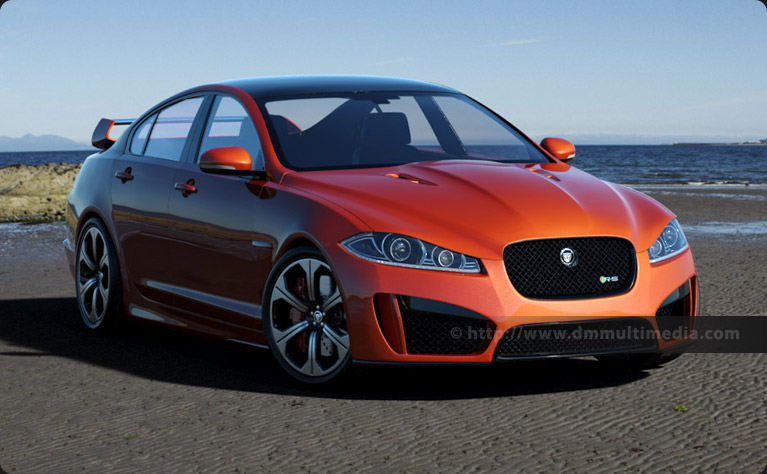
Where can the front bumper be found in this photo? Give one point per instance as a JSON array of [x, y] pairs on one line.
[[375, 320]]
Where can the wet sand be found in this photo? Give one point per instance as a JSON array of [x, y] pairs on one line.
[[150, 400]]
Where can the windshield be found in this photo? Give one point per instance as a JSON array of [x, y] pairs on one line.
[[373, 129]]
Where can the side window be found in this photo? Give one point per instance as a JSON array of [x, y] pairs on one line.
[[171, 129], [230, 125], [139, 138]]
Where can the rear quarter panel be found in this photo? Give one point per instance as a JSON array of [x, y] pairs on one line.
[[91, 196]]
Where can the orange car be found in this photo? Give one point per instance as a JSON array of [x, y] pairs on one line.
[[338, 218]]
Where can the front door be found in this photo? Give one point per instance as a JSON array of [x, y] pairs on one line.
[[220, 263]]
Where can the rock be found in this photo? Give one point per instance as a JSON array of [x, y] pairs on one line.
[[37, 192]]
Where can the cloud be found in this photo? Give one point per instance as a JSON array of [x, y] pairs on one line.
[[516, 42], [751, 99], [403, 59]]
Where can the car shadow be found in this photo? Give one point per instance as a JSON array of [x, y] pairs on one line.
[[52, 327]]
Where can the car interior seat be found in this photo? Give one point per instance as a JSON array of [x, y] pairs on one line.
[[385, 138]]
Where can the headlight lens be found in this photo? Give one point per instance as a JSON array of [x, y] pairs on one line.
[[670, 242], [404, 251], [400, 249]]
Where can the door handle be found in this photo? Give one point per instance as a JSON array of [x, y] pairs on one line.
[[186, 188], [124, 175]]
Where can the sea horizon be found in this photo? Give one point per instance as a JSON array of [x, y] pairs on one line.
[[690, 164]]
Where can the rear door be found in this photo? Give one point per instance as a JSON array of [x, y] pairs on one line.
[[144, 180], [220, 263]]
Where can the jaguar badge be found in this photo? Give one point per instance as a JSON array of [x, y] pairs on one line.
[[567, 256]]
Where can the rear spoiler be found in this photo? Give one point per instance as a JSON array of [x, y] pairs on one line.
[[100, 138]]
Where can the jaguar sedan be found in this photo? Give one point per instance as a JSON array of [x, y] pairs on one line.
[[341, 219]]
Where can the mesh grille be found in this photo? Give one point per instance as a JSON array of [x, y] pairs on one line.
[[431, 333], [674, 319], [577, 338], [536, 270]]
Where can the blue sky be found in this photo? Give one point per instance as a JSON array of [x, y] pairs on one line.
[[619, 71]]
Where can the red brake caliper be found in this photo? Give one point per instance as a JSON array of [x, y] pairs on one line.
[[296, 315]]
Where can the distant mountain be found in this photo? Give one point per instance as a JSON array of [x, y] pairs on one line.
[[31, 142]]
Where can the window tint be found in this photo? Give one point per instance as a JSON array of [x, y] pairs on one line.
[[482, 134], [171, 129], [230, 125], [421, 134], [367, 129], [304, 114], [139, 138]]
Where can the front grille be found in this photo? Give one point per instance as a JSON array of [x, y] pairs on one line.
[[432, 333], [577, 338], [603, 266]]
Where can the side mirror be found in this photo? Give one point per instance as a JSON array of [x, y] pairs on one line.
[[560, 149], [226, 160]]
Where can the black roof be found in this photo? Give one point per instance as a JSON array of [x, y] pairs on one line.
[[296, 85]]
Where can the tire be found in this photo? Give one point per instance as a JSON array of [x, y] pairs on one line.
[[97, 278], [637, 361], [304, 319]]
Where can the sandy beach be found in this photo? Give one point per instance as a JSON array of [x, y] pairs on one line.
[[148, 400]]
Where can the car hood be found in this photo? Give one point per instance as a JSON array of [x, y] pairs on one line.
[[479, 207]]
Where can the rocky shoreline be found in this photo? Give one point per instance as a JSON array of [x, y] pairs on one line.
[[35, 193]]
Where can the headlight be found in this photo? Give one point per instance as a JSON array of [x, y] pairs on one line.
[[670, 242], [404, 251]]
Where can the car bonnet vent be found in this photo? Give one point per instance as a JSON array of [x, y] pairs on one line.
[[407, 177]]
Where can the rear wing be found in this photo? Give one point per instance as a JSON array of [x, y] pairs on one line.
[[100, 138]]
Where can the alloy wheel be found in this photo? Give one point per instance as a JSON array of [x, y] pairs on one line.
[[307, 320], [93, 277]]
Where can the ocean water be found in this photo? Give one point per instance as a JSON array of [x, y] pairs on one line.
[[625, 164], [43, 157], [669, 164]]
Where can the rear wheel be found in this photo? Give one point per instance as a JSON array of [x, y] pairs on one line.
[[304, 319], [97, 278]]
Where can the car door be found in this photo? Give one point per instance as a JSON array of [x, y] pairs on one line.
[[144, 180], [220, 262]]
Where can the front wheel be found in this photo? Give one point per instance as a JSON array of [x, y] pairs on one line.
[[304, 319]]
